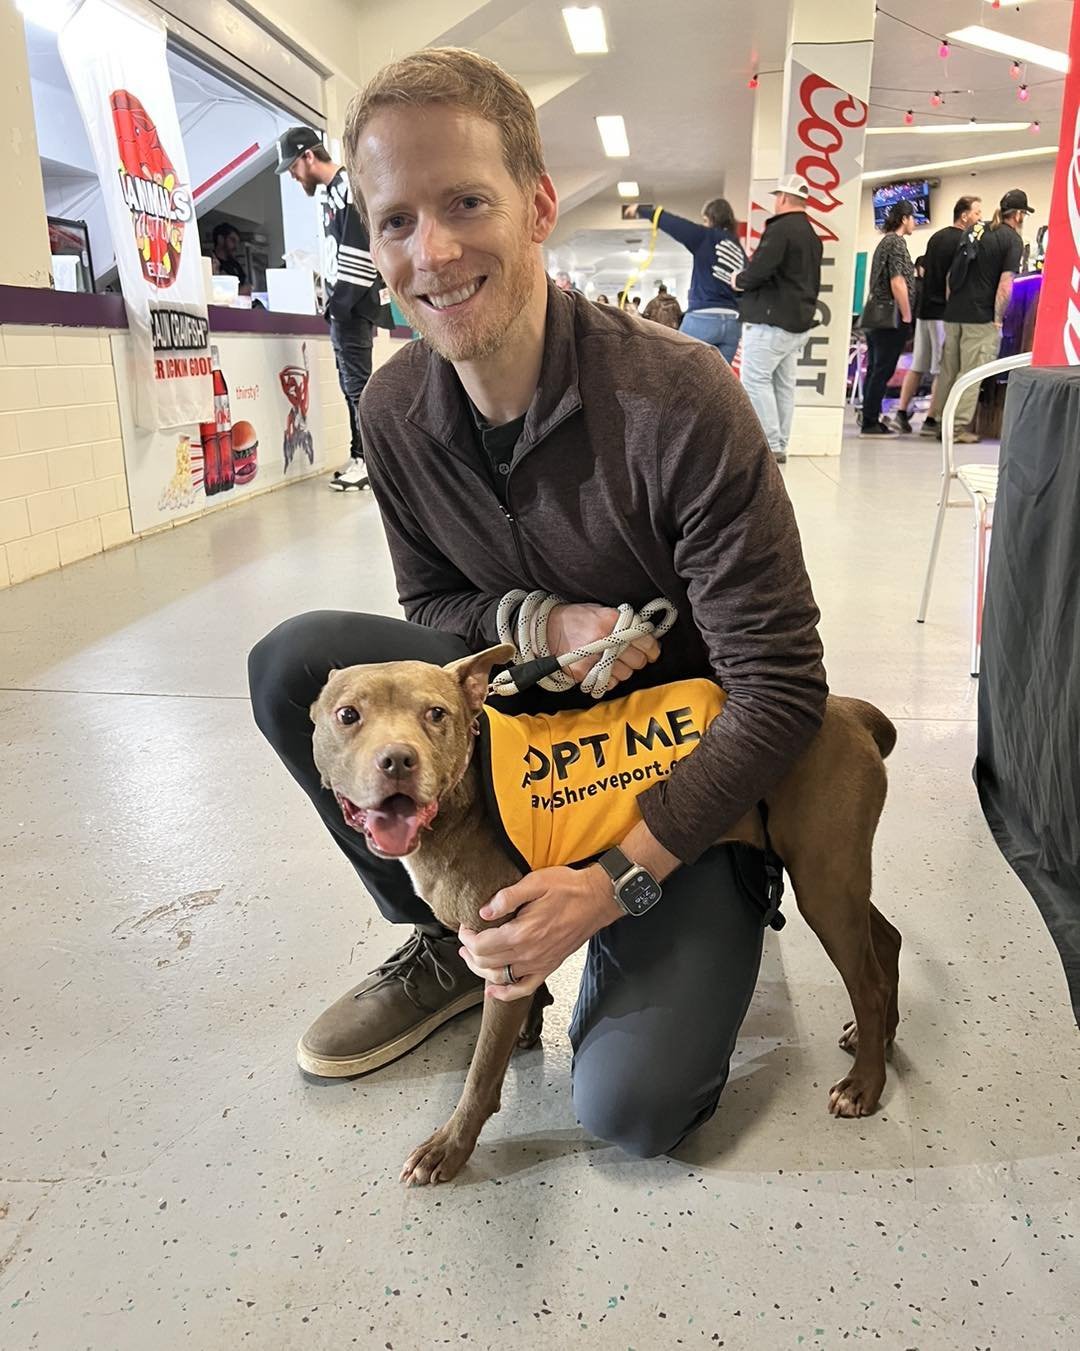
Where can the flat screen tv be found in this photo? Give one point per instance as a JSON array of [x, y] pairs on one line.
[[917, 191]]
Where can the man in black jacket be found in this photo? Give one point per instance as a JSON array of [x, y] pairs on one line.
[[354, 289], [780, 288]]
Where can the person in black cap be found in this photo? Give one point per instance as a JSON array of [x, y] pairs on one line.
[[355, 294], [975, 309]]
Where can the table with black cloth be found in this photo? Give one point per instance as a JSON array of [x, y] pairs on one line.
[[1028, 765]]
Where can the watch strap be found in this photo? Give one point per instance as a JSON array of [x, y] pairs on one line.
[[615, 863]]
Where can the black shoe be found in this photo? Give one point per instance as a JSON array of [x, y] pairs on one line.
[[930, 427], [903, 421], [876, 429]]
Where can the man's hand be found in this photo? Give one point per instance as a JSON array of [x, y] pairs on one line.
[[558, 911], [572, 626]]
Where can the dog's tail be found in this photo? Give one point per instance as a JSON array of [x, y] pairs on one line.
[[877, 724]]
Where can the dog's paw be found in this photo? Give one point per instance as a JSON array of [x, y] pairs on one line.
[[440, 1158], [854, 1096]]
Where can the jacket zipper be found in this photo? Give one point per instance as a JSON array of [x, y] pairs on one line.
[[512, 522]]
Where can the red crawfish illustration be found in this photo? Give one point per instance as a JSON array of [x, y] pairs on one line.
[[160, 205]]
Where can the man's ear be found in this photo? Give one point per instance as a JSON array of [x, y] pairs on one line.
[[474, 673]]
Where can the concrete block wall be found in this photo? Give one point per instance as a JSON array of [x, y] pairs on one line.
[[63, 489], [63, 493]]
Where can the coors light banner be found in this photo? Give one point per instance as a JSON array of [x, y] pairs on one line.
[[1057, 327], [114, 54]]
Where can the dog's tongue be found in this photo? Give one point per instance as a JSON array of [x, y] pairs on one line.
[[396, 824]]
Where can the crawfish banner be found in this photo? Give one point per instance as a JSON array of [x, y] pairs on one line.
[[1057, 328], [114, 55]]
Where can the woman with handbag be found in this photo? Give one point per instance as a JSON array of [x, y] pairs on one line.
[[886, 317]]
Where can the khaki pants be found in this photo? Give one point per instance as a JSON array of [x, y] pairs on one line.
[[966, 346]]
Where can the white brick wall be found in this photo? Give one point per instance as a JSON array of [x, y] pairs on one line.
[[63, 490], [62, 485]]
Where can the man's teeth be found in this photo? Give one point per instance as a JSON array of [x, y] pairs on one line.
[[447, 298]]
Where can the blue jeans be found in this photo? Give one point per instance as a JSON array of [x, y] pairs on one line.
[[721, 331], [769, 358]]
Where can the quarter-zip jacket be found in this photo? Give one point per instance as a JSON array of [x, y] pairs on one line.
[[641, 472]]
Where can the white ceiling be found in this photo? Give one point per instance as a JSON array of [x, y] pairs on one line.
[[678, 74]]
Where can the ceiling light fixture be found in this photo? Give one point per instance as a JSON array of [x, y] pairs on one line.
[[902, 172], [613, 134], [988, 40], [946, 128], [588, 35], [628, 188]]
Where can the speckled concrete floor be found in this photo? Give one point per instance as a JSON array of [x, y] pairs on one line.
[[173, 918]]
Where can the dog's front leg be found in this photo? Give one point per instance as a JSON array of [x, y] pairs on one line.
[[441, 1156]]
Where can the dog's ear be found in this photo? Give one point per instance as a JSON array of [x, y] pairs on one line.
[[316, 707], [474, 673]]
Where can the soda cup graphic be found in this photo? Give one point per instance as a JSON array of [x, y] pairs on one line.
[[216, 436]]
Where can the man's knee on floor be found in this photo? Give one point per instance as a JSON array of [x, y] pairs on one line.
[[641, 1119]]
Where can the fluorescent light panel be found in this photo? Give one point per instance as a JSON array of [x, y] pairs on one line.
[[613, 134], [588, 36], [948, 129], [628, 188], [990, 40], [906, 170]]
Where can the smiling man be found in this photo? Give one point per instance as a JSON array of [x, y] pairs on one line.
[[533, 440]]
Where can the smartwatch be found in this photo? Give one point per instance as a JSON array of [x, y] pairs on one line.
[[636, 889]]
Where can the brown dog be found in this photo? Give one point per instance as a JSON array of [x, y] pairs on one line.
[[394, 743]]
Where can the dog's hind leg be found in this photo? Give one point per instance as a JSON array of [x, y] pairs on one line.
[[835, 901], [887, 941], [443, 1154]]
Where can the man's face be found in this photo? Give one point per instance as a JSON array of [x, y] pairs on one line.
[[562, 281], [451, 232], [228, 244], [972, 217], [302, 169]]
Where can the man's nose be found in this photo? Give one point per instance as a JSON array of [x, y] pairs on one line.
[[436, 245], [398, 760]]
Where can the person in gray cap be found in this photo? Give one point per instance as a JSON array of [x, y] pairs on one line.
[[980, 288], [355, 293], [778, 303]]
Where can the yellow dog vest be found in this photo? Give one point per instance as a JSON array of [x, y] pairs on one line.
[[564, 786]]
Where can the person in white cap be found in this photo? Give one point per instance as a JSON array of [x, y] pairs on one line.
[[778, 299]]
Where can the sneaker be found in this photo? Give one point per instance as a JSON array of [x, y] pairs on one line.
[[966, 439], [930, 427], [421, 986], [876, 429], [780, 456], [903, 421], [353, 476]]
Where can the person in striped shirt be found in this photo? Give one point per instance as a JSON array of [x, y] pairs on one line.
[[356, 297]]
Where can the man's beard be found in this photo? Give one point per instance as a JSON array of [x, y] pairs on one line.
[[476, 341]]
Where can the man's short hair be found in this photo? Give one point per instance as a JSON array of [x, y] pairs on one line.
[[320, 152], [453, 78], [222, 229], [963, 204]]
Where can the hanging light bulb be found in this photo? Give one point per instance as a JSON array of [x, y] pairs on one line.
[[1035, 128], [943, 50], [752, 83], [1014, 70], [909, 118], [935, 99], [1023, 93], [995, 4]]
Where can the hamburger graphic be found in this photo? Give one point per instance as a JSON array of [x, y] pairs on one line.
[[160, 206], [245, 449]]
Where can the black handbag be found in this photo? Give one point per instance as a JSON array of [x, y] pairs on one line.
[[879, 311]]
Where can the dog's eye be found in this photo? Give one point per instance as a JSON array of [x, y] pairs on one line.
[[436, 714], [348, 715]]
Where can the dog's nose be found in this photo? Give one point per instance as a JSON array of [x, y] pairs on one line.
[[398, 760]]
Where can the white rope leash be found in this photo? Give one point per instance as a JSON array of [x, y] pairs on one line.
[[530, 641]]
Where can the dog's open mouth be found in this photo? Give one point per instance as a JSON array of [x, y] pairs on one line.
[[393, 827]]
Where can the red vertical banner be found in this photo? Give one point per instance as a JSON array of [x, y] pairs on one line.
[[1057, 328]]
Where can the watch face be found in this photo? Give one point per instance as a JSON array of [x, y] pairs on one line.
[[639, 892]]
